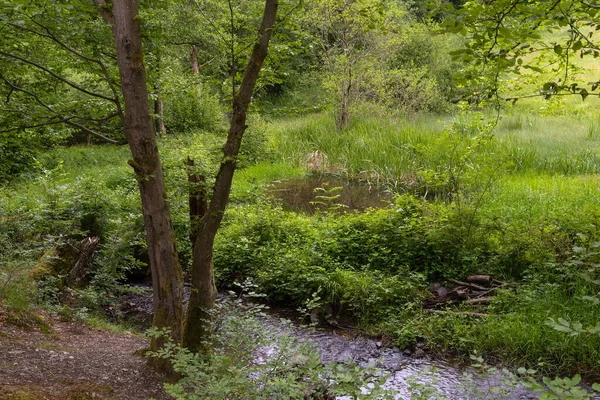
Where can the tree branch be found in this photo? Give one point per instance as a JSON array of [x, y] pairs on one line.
[[241, 101], [60, 78], [107, 78], [105, 11], [66, 120]]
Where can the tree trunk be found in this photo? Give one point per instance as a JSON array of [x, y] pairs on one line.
[[343, 118], [202, 298], [159, 122], [167, 279], [342, 122], [194, 57]]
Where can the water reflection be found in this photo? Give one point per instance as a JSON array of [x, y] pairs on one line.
[[313, 193]]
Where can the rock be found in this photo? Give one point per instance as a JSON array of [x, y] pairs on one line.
[[321, 315], [438, 289]]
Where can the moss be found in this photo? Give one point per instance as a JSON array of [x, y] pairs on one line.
[[20, 393], [44, 267], [28, 321], [57, 261]]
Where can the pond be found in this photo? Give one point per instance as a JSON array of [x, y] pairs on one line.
[[317, 193]]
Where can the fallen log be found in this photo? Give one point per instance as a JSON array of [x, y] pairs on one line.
[[465, 313], [485, 280], [469, 285]]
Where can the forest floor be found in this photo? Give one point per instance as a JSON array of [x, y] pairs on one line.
[[55, 360]]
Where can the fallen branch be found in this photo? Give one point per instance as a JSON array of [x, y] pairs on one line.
[[469, 285], [480, 279], [462, 313], [497, 282]]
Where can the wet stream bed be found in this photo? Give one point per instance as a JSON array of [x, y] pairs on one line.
[[343, 345]]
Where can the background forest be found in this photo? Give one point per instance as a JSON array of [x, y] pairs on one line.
[[481, 164]]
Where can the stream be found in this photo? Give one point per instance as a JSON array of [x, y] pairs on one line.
[[450, 381]]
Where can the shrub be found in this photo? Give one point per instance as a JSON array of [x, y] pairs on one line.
[[192, 109], [17, 155]]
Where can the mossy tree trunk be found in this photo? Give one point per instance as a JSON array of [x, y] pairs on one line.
[[202, 298], [167, 279]]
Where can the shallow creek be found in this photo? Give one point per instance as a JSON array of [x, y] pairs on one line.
[[339, 346], [450, 381]]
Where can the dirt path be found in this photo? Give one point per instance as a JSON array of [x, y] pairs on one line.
[[73, 362]]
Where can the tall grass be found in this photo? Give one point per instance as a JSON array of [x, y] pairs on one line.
[[392, 148]]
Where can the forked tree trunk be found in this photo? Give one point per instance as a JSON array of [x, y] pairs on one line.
[[167, 279], [202, 298]]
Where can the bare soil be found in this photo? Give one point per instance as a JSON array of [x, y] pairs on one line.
[[55, 360]]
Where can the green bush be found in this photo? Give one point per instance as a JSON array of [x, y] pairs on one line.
[[192, 109], [17, 155]]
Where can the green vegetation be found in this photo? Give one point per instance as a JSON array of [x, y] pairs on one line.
[[483, 177]]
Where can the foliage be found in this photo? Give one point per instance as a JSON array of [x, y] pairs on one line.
[[192, 109], [371, 53], [57, 71], [521, 37]]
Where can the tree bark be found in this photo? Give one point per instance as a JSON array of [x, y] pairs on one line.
[[167, 278], [202, 298], [198, 202], [194, 57], [159, 122]]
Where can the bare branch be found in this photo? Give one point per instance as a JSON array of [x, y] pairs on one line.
[[18, 128]]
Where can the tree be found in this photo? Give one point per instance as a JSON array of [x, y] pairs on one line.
[[208, 221], [346, 31], [517, 35], [166, 273], [366, 49], [167, 277]]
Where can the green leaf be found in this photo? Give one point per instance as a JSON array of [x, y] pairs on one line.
[[558, 49], [594, 300]]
